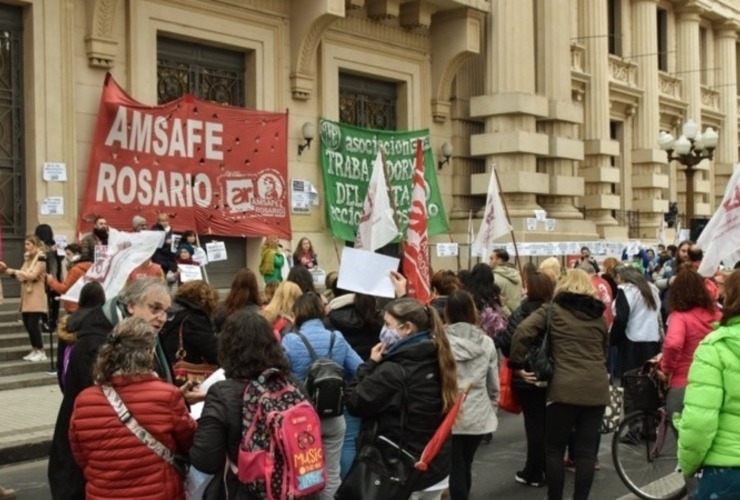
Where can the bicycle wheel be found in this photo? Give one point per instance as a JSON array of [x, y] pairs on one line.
[[645, 451]]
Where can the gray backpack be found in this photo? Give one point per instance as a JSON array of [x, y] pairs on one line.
[[324, 381]]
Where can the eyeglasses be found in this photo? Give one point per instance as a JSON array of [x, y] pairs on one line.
[[158, 310]]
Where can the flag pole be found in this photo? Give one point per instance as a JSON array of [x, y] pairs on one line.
[[336, 249], [508, 219]]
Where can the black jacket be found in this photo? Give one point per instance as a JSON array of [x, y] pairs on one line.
[[503, 341], [361, 336], [376, 394], [163, 255], [198, 336], [66, 481], [219, 434]]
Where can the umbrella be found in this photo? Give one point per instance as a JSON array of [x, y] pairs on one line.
[[442, 432]]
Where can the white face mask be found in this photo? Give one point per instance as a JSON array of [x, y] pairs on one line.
[[389, 336]]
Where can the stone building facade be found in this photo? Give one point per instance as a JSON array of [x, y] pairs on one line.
[[565, 97]]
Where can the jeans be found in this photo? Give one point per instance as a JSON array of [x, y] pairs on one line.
[[533, 407], [719, 483], [332, 434], [32, 322], [349, 448], [463, 451], [560, 419]]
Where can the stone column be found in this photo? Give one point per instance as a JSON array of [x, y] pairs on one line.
[[554, 81], [597, 170], [510, 108], [726, 153], [688, 67], [648, 160]]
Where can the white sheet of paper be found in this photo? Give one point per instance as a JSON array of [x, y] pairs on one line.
[[217, 376], [61, 242], [540, 215], [55, 172], [447, 249], [216, 251], [52, 205], [189, 272], [549, 224], [531, 224], [367, 272]]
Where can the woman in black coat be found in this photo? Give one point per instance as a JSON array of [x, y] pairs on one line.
[[193, 309], [247, 347]]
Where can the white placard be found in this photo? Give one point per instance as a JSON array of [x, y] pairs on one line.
[[549, 224], [55, 172], [531, 224], [175, 242], [447, 249], [189, 272], [61, 242], [540, 215], [367, 272], [319, 276], [52, 205], [684, 234], [216, 251]]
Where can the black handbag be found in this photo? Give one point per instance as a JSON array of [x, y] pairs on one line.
[[540, 356], [382, 469]]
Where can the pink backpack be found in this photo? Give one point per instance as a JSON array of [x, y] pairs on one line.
[[493, 321], [281, 455]]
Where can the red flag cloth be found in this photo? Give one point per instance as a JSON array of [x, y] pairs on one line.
[[442, 433], [416, 246], [218, 170]]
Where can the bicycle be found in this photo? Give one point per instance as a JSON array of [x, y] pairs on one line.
[[644, 446]]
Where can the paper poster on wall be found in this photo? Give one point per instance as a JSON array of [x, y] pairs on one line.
[[52, 205], [447, 249], [216, 251], [531, 224], [55, 172], [540, 215], [549, 224]]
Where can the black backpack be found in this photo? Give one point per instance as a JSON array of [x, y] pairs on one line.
[[324, 381]]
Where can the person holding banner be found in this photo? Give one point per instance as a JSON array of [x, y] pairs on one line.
[[98, 237], [34, 305]]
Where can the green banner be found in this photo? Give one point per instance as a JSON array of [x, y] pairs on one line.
[[347, 157]]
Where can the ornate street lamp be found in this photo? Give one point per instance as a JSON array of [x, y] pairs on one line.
[[689, 150]]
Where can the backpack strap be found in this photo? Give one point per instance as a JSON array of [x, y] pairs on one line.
[[311, 352], [331, 344]]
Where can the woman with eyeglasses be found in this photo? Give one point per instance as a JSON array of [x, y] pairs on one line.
[[145, 298]]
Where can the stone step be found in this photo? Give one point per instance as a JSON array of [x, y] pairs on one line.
[[20, 337], [7, 316], [20, 367], [23, 380], [17, 352], [11, 326]]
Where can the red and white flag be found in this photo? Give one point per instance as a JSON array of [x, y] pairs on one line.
[[377, 227], [720, 239], [416, 247], [494, 224]]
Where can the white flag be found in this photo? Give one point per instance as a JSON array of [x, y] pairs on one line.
[[721, 237], [494, 224], [661, 231], [377, 227], [470, 234]]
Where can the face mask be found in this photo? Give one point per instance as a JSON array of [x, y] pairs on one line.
[[389, 336]]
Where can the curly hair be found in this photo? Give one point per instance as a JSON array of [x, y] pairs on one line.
[[129, 351], [247, 346], [244, 291], [282, 302], [200, 294], [688, 291]]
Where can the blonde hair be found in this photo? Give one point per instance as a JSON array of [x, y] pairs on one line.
[[578, 282], [282, 302], [552, 268]]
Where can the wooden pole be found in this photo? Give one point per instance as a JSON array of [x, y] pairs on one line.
[[202, 266], [508, 219]]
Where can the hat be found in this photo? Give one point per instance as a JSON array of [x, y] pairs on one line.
[[137, 221], [187, 247]]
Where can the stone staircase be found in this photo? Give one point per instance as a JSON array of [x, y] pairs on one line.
[[16, 373]]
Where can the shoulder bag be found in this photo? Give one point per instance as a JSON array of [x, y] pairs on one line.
[[184, 371], [179, 462], [540, 355], [382, 469]]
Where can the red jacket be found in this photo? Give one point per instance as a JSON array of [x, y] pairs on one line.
[[75, 272], [685, 330], [116, 464]]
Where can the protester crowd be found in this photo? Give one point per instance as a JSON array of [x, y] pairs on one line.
[[380, 374]]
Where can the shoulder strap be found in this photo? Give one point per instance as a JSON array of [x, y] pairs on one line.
[[311, 352], [133, 425], [181, 352], [331, 344]]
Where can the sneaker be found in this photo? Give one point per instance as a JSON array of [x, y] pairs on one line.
[[38, 356], [519, 478], [28, 356]]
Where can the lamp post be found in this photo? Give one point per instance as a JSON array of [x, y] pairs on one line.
[[689, 150]]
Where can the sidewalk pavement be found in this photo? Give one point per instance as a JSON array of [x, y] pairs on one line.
[[27, 418]]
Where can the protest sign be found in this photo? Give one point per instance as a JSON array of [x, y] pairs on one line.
[[367, 272], [189, 272], [216, 251]]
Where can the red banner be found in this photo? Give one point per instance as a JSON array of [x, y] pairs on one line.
[[216, 169]]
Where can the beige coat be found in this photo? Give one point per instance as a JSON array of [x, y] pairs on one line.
[[32, 276]]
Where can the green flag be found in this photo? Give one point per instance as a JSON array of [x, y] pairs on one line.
[[347, 156]]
